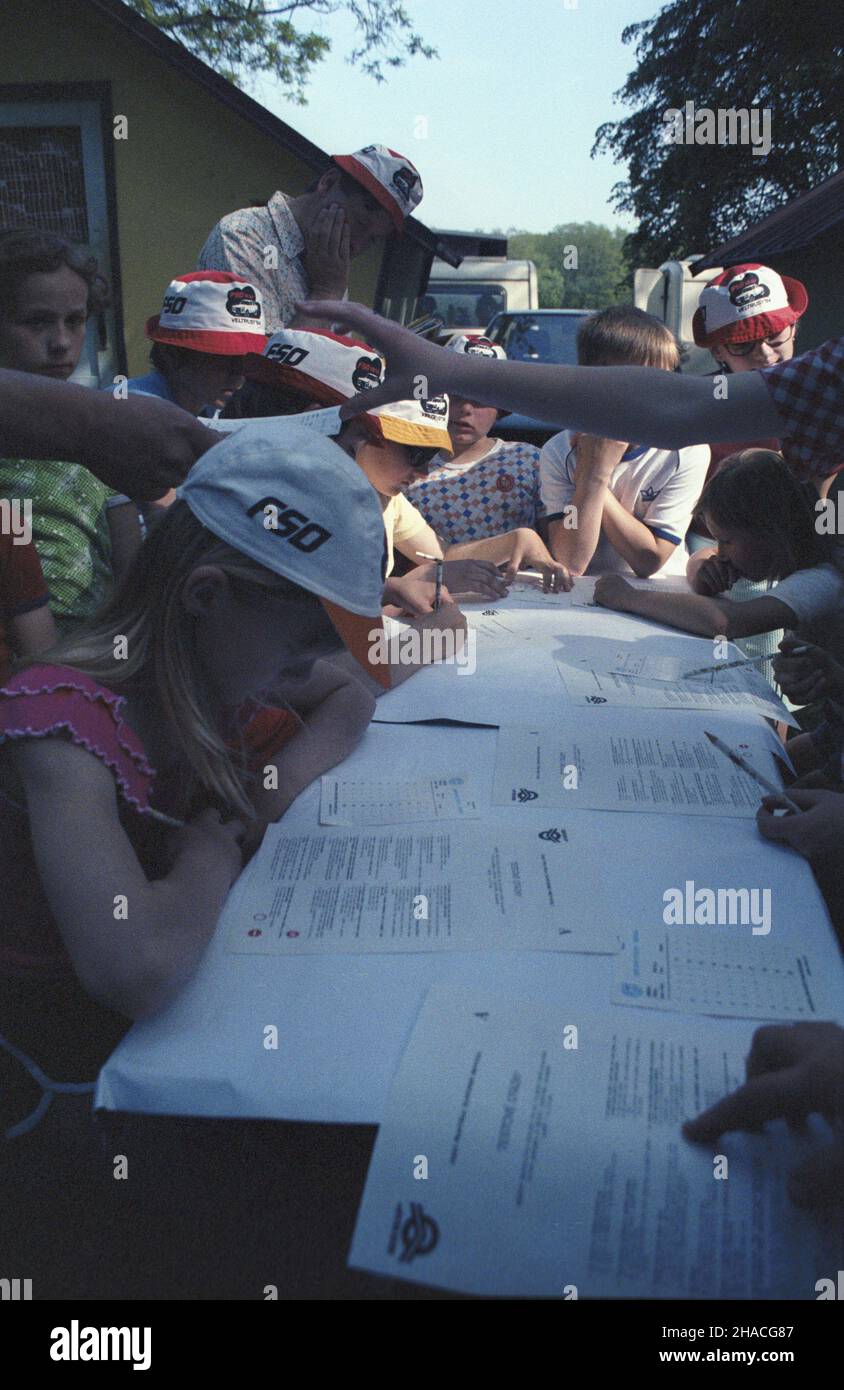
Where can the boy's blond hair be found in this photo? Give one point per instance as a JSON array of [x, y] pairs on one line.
[[622, 336]]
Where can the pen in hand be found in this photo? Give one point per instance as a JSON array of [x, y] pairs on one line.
[[438, 579], [751, 772]]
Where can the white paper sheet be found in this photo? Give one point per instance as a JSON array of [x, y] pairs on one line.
[[674, 771], [585, 686], [319, 421], [552, 1167], [696, 970], [393, 801], [662, 659], [507, 673], [456, 888]]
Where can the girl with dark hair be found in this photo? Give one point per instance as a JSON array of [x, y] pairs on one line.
[[765, 530]]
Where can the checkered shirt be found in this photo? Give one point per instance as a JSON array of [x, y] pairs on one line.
[[808, 393]]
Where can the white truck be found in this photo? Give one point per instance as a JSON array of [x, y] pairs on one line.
[[466, 297], [671, 294]]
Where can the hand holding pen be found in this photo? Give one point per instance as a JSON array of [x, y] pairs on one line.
[[807, 673]]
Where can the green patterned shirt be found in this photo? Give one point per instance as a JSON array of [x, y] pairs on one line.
[[70, 531]]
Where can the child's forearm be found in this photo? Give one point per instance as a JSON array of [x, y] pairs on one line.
[[499, 550], [706, 617], [407, 654], [575, 546], [496, 549], [328, 735], [632, 539]]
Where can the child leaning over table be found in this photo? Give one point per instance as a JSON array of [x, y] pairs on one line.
[[133, 754], [765, 529], [483, 486]]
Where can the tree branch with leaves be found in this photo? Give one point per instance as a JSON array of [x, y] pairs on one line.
[[240, 38], [727, 54]]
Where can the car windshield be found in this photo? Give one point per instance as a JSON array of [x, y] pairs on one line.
[[466, 305], [538, 337]]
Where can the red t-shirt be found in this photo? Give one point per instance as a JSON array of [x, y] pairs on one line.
[[22, 589]]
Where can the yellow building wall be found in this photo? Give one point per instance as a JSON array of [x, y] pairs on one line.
[[187, 161]]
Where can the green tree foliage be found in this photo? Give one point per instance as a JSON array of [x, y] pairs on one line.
[[239, 38], [580, 265], [727, 54]]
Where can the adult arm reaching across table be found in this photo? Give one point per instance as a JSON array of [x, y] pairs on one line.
[[654, 407], [137, 445]]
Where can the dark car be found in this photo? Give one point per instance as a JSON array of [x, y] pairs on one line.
[[540, 335]]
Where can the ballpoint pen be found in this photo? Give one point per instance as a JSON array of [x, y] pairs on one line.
[[438, 580], [751, 772], [745, 661]]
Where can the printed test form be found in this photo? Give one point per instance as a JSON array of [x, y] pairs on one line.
[[674, 771], [391, 801], [554, 1163], [736, 690], [459, 887], [698, 970]]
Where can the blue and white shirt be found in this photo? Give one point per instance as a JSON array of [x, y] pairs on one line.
[[660, 487], [153, 384]]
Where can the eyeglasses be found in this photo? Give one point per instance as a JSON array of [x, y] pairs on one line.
[[778, 340]]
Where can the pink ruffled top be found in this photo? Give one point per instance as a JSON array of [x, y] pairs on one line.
[[40, 702], [44, 701]]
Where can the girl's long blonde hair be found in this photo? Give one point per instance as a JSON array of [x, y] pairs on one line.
[[147, 610]]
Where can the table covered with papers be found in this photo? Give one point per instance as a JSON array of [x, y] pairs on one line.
[[527, 933]]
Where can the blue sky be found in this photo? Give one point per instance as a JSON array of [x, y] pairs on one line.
[[512, 106]]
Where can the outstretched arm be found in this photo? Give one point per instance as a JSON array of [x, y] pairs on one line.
[[713, 616], [138, 445], [662, 409]]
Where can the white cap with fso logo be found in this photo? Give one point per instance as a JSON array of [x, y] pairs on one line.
[[298, 505]]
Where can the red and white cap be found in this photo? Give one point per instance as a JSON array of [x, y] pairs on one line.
[[210, 311], [391, 179], [745, 303], [324, 365], [331, 369], [477, 346]]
